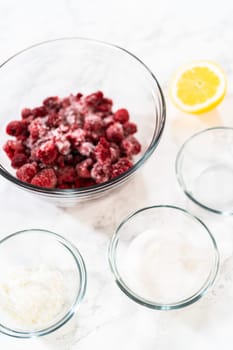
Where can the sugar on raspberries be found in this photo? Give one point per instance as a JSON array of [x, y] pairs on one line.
[[72, 142], [45, 178]]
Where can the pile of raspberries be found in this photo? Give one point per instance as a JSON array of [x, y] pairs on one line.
[[72, 142]]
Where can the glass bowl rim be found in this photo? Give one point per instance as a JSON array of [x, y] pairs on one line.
[[71, 248], [180, 177], [108, 184], [112, 248]]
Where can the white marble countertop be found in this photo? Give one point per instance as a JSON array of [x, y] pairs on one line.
[[164, 34]]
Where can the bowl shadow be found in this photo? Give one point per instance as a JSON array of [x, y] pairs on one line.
[[105, 213]]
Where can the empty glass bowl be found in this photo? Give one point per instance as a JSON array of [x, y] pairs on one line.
[[204, 168], [71, 65], [42, 282], [163, 257]]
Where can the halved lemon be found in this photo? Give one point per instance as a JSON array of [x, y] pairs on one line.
[[198, 87]]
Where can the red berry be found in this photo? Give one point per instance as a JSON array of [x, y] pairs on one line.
[[83, 168], [26, 172], [93, 123], [115, 132], [63, 146], [26, 112], [18, 160], [78, 96], [131, 146], [121, 116], [16, 128], [37, 128], [12, 147], [86, 149], [39, 112], [47, 152], [94, 99], [121, 167], [130, 128], [66, 175], [54, 119], [107, 121], [101, 172], [52, 103], [115, 152], [104, 106], [77, 136], [45, 178], [102, 151], [65, 102]]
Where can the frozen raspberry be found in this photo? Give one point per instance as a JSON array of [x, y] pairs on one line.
[[75, 142], [63, 146], [77, 136], [107, 121], [131, 146], [54, 119], [121, 167], [115, 132], [69, 159], [63, 128], [37, 128], [115, 152], [104, 106], [16, 128], [45, 178], [102, 151], [52, 103], [86, 149], [26, 172], [18, 160], [101, 172], [12, 147], [47, 152], [121, 116], [94, 99], [66, 175], [26, 112], [27, 121], [39, 112], [83, 168], [130, 128], [78, 96], [93, 123], [65, 102]]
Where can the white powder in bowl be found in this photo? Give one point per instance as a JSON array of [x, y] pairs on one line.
[[31, 298], [165, 268]]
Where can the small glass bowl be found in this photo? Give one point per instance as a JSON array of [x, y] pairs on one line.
[[164, 258], [71, 65], [43, 251], [204, 169]]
